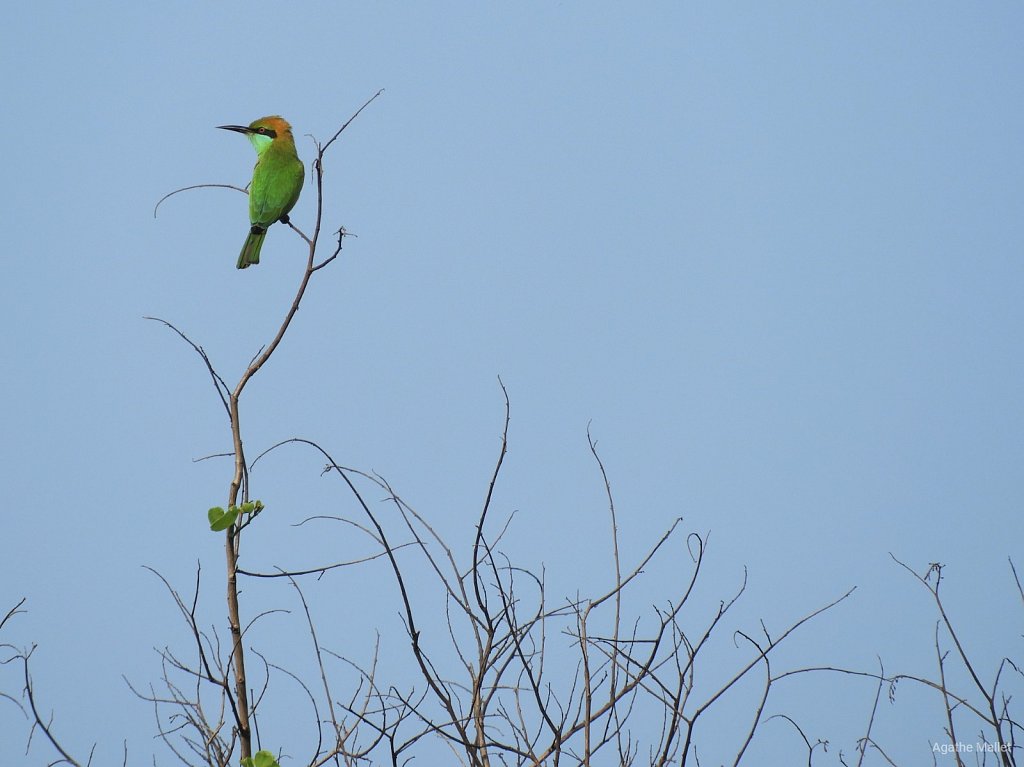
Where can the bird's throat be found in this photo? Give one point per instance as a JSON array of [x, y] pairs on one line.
[[260, 142]]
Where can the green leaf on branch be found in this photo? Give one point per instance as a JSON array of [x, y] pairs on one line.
[[252, 507], [220, 519], [262, 759]]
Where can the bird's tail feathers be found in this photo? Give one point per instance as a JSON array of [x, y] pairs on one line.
[[251, 249]]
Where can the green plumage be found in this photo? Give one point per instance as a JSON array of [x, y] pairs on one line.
[[276, 181]]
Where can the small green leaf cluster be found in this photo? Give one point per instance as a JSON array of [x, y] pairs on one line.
[[222, 520], [262, 759]]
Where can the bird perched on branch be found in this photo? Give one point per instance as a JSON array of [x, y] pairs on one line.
[[276, 180]]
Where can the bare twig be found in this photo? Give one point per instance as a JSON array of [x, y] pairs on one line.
[[218, 382], [45, 726], [243, 190]]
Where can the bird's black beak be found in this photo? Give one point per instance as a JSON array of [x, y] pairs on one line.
[[237, 128]]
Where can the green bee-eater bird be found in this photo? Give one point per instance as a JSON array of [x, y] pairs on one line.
[[276, 180]]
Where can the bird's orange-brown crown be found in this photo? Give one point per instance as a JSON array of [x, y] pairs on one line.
[[273, 124]]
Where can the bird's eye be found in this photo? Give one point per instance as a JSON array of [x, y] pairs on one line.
[[261, 130]]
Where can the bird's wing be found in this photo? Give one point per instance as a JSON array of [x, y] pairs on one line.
[[274, 191]]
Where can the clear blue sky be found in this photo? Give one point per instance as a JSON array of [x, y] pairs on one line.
[[771, 252]]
